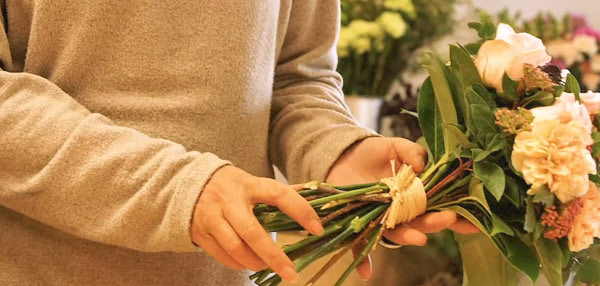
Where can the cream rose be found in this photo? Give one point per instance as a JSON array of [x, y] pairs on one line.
[[507, 54]]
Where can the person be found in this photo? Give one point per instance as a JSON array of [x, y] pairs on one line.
[[135, 137]]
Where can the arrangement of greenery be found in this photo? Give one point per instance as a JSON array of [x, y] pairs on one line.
[[378, 37]]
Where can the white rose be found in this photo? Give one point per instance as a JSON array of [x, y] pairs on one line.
[[507, 54], [591, 100], [586, 44], [565, 109]]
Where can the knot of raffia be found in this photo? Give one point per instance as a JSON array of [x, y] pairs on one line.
[[408, 196]]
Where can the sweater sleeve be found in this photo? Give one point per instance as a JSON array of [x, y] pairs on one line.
[[74, 170], [310, 124]]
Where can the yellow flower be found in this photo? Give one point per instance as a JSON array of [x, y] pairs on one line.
[[393, 24], [406, 6], [343, 46], [587, 223], [555, 154], [508, 53], [361, 45], [366, 28]]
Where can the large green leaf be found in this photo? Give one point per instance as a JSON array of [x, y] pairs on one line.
[[522, 257], [511, 193], [589, 272], [550, 257], [483, 263], [492, 177], [464, 66], [443, 98], [499, 226], [430, 120], [460, 137]]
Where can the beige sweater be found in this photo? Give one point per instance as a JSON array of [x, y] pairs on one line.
[[114, 114]]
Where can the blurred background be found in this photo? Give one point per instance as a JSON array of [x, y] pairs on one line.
[[380, 44]]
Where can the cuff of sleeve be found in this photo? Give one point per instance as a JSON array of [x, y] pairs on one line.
[[331, 145], [188, 191]]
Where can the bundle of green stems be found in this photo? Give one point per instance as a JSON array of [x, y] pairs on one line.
[[352, 216]]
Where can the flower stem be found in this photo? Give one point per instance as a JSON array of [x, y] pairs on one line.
[[372, 239], [348, 194], [339, 255], [450, 178]]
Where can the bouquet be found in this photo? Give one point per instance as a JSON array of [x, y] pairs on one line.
[[377, 38], [513, 147]]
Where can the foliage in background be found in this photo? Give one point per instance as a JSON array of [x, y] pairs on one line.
[[378, 37]]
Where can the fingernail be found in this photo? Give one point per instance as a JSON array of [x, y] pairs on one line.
[[289, 274], [316, 227]]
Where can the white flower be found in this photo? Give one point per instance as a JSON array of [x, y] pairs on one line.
[[565, 51], [591, 100], [508, 53], [393, 24], [586, 44], [565, 109]]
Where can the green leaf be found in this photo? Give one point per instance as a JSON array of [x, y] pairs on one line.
[[476, 191], [596, 145], [530, 218], [464, 66], [566, 252], [541, 97], [558, 90], [443, 98], [499, 226], [550, 257], [479, 155], [484, 120], [522, 256], [423, 143], [510, 90], [589, 272], [492, 177], [411, 113], [483, 263], [544, 196], [460, 137], [430, 120], [572, 86], [473, 48], [512, 192], [485, 94]]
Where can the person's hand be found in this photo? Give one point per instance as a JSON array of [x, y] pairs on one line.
[[226, 228], [369, 161]]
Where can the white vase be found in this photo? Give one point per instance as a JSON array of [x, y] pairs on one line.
[[366, 110]]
